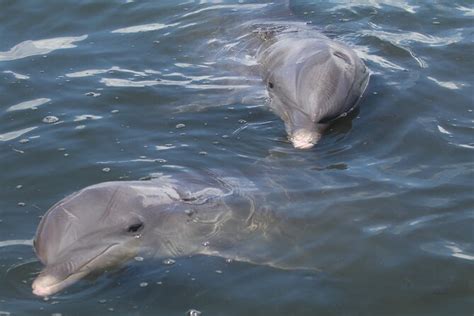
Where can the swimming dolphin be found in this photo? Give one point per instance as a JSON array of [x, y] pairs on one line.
[[311, 79], [105, 225]]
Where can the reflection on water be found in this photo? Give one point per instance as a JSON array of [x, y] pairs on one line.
[[6, 243], [449, 248], [15, 134], [137, 88], [31, 48], [377, 4], [143, 28], [32, 104], [16, 75]]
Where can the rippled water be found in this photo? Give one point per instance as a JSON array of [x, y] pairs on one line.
[[111, 90]]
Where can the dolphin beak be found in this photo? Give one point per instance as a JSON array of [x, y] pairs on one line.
[[304, 139], [46, 285], [57, 277], [302, 145]]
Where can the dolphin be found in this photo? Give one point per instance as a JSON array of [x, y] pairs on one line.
[[105, 225], [311, 80]]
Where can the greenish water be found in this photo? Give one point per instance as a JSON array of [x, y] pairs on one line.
[[387, 191]]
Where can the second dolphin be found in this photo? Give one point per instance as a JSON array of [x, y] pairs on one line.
[[311, 79]]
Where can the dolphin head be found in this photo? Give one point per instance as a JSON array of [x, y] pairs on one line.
[[92, 230], [311, 82]]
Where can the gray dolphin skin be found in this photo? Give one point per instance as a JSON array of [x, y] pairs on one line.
[[105, 225], [311, 79]]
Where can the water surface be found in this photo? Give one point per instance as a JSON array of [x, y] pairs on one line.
[[115, 90]]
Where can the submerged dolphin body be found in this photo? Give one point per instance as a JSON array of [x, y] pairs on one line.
[[311, 79], [105, 225]]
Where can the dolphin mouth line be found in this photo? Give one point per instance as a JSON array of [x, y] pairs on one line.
[[69, 279]]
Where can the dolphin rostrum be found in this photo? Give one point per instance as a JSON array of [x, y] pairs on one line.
[[311, 79]]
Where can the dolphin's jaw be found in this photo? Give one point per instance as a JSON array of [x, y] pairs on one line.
[[304, 139], [47, 284]]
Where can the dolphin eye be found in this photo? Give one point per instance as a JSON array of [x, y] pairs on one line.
[[270, 85], [135, 228]]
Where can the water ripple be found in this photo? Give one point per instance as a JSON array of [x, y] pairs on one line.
[[449, 248], [16, 242], [39, 47], [446, 84], [15, 134], [85, 117], [17, 75], [400, 38], [466, 11], [376, 4], [365, 53], [227, 6], [144, 28], [115, 82], [32, 105], [93, 72]]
